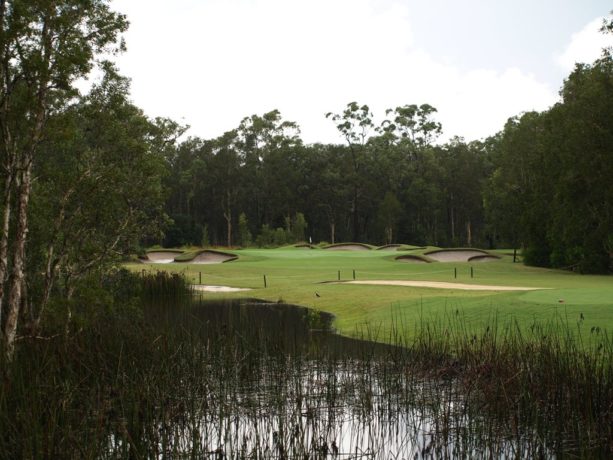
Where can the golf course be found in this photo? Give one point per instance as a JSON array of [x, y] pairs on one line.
[[397, 294]]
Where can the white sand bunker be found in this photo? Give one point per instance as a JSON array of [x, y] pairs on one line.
[[348, 247], [411, 259], [212, 257], [207, 288], [389, 247], [462, 255], [444, 285], [162, 257]]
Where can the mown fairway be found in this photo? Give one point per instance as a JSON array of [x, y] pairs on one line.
[[303, 276]]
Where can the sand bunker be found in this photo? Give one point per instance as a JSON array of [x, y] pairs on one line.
[[162, 257], [443, 285], [462, 255], [206, 288], [389, 247], [348, 247], [212, 257], [412, 259]]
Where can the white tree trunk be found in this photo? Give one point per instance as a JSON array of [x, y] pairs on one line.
[[18, 263]]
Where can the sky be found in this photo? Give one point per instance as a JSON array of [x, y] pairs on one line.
[[210, 63]]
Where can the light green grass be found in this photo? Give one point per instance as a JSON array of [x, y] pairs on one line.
[[296, 275]]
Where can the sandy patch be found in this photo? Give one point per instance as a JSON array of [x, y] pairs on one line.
[[162, 257], [444, 285], [211, 257], [347, 247], [207, 288], [389, 247], [411, 260], [455, 256]]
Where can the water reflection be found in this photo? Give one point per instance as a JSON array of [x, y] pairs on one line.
[[274, 381]]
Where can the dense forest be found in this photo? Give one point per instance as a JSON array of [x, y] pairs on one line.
[[88, 179]]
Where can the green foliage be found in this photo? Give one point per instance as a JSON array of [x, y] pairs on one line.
[[205, 242], [390, 211], [244, 235], [266, 237], [551, 190], [98, 192], [299, 226], [280, 237]]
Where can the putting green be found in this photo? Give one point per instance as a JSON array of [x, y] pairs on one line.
[[577, 296]]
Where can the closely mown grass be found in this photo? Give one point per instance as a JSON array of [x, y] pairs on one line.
[[296, 275], [174, 378]]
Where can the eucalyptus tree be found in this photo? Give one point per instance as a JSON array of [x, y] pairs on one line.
[[413, 123], [355, 124], [227, 174], [408, 168], [45, 45], [330, 195], [265, 143], [464, 169]]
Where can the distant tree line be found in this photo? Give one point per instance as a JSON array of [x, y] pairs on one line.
[[260, 184]]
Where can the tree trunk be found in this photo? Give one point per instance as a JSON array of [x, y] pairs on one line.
[[356, 224], [469, 236], [332, 231], [452, 218], [18, 262], [4, 239], [228, 217]]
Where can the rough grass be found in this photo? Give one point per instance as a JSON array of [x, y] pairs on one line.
[[299, 277]]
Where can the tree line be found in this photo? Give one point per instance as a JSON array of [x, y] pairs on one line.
[[88, 179], [387, 183]]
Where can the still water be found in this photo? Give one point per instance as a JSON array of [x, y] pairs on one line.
[[275, 381]]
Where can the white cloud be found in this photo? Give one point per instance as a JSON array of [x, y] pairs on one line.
[[585, 46], [211, 63]]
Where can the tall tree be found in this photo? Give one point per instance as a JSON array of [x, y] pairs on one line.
[[355, 124], [98, 189], [44, 46]]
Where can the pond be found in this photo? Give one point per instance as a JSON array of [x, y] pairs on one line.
[[274, 381]]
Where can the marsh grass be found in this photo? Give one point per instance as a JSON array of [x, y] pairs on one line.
[[248, 379]]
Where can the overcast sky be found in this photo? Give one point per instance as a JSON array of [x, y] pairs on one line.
[[210, 63]]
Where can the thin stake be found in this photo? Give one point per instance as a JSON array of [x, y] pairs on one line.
[[455, 273], [199, 277], [471, 272], [339, 275], [265, 284], [354, 274]]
